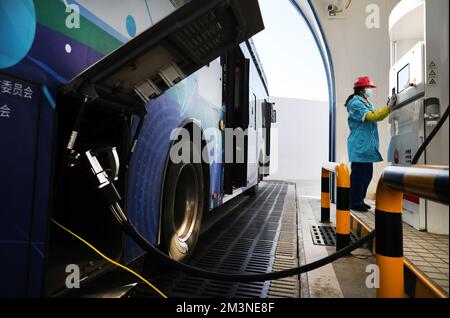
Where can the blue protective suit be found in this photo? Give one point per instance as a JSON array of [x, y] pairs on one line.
[[363, 142]]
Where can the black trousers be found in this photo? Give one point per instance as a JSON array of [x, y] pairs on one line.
[[360, 178]]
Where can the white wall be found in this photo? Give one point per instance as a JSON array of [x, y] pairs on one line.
[[299, 139], [356, 51]]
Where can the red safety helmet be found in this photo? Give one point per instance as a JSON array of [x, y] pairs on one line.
[[364, 81]]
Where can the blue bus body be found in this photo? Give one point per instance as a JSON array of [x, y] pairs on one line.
[[31, 75]]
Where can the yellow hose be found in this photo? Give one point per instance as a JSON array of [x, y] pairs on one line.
[[111, 260]]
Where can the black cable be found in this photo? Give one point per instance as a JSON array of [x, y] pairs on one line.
[[112, 197], [163, 259], [430, 137]]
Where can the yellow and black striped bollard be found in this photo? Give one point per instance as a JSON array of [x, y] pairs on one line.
[[325, 197], [389, 242], [342, 207]]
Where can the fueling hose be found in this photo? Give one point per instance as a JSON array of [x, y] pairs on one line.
[[109, 192], [430, 137], [168, 262], [228, 277]]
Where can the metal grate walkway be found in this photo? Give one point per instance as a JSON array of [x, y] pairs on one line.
[[258, 237]]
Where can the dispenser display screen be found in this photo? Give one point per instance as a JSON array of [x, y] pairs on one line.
[[403, 79]]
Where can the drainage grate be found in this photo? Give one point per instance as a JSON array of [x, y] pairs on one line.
[[326, 235], [244, 241], [286, 255]]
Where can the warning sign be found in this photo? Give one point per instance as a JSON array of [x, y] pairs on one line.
[[432, 65], [432, 82], [432, 74]]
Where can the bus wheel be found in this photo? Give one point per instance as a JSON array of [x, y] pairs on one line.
[[183, 206]]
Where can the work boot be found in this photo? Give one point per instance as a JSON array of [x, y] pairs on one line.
[[359, 208]]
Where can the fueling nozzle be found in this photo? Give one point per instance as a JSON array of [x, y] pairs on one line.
[[105, 181], [392, 101]]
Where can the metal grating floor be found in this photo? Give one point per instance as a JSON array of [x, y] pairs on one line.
[[287, 252], [246, 240], [326, 235]]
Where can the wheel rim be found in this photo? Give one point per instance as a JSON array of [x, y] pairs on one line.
[[186, 202]]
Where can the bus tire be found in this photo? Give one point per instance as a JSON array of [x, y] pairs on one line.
[[183, 206]]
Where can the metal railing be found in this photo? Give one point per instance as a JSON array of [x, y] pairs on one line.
[[427, 182], [342, 201]]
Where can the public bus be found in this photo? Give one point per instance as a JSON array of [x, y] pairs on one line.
[[121, 80]]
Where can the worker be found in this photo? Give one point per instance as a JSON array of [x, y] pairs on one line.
[[363, 142]]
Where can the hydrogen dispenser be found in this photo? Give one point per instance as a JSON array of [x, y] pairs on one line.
[[418, 31]]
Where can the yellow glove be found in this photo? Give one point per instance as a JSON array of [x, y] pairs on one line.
[[378, 115]]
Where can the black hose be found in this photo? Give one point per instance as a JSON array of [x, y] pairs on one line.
[[163, 259], [430, 137]]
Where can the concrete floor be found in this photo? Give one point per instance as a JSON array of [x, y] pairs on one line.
[[344, 278]]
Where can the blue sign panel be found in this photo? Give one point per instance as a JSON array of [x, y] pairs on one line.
[[19, 119]]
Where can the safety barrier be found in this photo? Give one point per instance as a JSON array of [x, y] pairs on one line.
[[428, 182], [342, 201]]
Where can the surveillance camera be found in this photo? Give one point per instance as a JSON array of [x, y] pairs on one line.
[[332, 8]]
